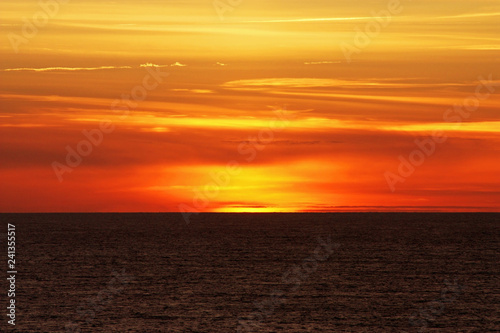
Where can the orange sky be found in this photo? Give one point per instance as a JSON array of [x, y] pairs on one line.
[[250, 106]]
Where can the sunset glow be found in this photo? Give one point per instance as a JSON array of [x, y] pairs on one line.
[[281, 106]]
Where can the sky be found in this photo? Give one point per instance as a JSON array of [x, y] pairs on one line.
[[249, 106]]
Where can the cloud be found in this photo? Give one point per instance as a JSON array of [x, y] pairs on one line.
[[363, 18], [470, 15], [354, 84], [178, 64], [26, 125], [472, 47], [220, 64], [71, 69], [322, 62], [155, 129], [148, 64], [479, 126], [282, 82], [319, 19], [195, 91]]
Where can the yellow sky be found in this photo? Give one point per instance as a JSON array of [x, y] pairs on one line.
[[315, 101]]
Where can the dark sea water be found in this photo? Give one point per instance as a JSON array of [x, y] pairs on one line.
[[254, 273]]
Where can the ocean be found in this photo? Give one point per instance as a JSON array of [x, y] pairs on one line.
[[318, 272]]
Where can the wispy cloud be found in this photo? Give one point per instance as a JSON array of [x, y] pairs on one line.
[[178, 64], [27, 125], [282, 82], [148, 64], [364, 18], [319, 19], [73, 69], [471, 15], [155, 129], [195, 91], [471, 47], [482, 126], [319, 82], [322, 62]]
